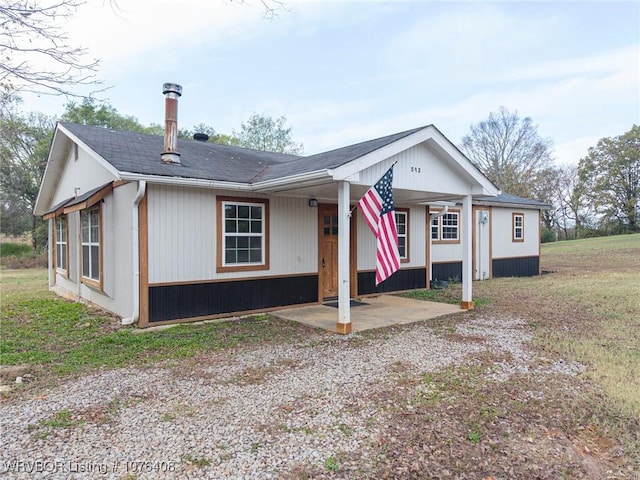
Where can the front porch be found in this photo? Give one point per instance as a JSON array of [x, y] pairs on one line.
[[374, 312]]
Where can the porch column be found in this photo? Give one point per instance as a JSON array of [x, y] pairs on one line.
[[467, 247], [344, 299]]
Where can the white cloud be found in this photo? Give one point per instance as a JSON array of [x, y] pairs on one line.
[[575, 111], [570, 152], [467, 43], [606, 62], [158, 32], [447, 63]]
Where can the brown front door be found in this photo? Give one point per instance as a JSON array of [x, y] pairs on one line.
[[328, 258]]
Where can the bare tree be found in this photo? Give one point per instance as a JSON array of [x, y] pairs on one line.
[[509, 151], [573, 208], [271, 7], [545, 189], [35, 52]]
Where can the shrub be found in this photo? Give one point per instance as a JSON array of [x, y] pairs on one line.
[[25, 261], [14, 249], [547, 235], [18, 255]]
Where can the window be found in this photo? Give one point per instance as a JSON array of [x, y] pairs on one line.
[[242, 234], [61, 243], [435, 228], [449, 226], [90, 225], [402, 226], [446, 228], [517, 220]]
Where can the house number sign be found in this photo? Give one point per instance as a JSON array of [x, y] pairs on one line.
[[415, 169]]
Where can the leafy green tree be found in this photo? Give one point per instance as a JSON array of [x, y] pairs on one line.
[[24, 146], [102, 114], [269, 135], [214, 137], [510, 152], [610, 173]]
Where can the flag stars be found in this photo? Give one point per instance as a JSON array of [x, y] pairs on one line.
[[385, 190]]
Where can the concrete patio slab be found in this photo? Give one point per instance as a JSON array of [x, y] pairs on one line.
[[379, 311]]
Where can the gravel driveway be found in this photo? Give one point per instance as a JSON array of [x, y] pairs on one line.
[[258, 412]]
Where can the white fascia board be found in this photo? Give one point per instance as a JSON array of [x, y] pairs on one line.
[[481, 184], [293, 181], [185, 182], [52, 168], [484, 185], [345, 171], [110, 168]]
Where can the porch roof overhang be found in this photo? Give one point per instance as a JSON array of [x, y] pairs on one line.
[[322, 183]]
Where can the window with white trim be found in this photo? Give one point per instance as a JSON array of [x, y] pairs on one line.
[[449, 229], [517, 220], [402, 227], [61, 243], [446, 228], [243, 233], [90, 229], [435, 228]]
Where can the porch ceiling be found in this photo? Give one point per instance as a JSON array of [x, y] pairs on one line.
[[328, 193]]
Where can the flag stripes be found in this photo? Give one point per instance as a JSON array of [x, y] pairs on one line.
[[377, 209]]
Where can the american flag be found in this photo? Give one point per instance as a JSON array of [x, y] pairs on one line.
[[377, 208]]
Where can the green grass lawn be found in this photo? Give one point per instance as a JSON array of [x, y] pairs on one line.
[[63, 337], [600, 279]]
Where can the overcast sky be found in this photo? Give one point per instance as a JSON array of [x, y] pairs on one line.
[[349, 71]]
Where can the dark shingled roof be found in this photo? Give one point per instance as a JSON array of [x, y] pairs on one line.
[[513, 199], [63, 203], [140, 153], [85, 196], [332, 158]]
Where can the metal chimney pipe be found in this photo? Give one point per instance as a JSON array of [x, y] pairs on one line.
[[172, 92]]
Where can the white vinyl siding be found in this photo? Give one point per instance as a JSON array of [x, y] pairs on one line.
[[502, 244], [416, 239], [175, 256]]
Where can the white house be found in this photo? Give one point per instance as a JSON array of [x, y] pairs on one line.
[[161, 232], [505, 235]]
